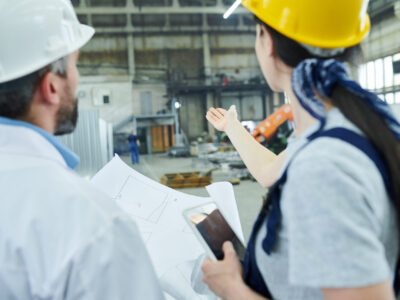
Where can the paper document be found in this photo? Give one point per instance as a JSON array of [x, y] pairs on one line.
[[157, 210]]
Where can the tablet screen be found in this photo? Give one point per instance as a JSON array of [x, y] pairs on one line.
[[215, 230]]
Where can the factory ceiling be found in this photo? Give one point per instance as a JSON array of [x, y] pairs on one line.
[[134, 16], [186, 16], [383, 9]]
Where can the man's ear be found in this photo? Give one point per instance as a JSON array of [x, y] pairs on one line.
[[49, 88]]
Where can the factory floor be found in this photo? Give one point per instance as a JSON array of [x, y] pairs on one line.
[[248, 194]]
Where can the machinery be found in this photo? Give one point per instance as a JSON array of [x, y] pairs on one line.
[[274, 130]]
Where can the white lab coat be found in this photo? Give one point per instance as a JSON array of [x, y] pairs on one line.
[[60, 238]]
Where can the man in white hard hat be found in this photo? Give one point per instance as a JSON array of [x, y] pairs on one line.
[[60, 238]]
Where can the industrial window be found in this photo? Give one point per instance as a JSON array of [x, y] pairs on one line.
[[389, 98], [371, 75], [106, 99], [379, 73], [396, 67], [362, 75], [388, 66], [396, 62], [397, 98], [383, 77]]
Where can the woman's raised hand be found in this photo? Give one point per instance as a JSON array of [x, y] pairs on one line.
[[221, 118]]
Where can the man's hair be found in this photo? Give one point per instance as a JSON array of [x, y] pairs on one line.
[[16, 95]]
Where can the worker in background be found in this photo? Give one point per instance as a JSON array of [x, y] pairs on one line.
[[329, 228], [134, 144], [60, 238]]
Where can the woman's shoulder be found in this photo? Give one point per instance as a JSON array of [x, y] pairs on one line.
[[334, 157], [330, 160], [342, 155]]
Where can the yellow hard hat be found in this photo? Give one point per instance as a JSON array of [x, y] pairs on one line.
[[319, 23]]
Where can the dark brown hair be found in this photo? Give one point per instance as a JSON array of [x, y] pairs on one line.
[[16, 95], [353, 108]]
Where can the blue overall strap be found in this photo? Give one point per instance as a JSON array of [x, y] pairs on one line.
[[348, 136], [251, 274], [396, 281]]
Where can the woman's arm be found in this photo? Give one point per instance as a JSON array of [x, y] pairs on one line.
[[263, 164], [381, 291]]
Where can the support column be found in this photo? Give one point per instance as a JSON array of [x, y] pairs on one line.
[[241, 22], [207, 58], [83, 4], [210, 103], [89, 20], [131, 56], [130, 42], [264, 104], [276, 103], [175, 3], [149, 140], [167, 21], [208, 73]]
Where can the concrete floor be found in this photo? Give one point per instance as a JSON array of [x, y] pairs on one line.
[[248, 193]]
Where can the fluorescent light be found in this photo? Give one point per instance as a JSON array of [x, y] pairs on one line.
[[178, 105], [232, 9]]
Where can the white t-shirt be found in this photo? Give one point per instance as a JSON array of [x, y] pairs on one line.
[[339, 227]]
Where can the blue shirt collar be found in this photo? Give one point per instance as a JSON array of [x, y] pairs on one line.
[[70, 158]]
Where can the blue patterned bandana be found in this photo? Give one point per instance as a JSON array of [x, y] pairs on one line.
[[320, 76]]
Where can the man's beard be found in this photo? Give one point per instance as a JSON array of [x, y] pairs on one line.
[[67, 116]]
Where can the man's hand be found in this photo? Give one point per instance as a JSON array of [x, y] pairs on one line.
[[221, 118]]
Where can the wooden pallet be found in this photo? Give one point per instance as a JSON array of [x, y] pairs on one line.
[[185, 180]]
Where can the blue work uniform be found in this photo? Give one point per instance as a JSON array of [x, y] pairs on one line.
[[133, 147]]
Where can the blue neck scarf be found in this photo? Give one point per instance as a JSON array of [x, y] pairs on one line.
[[313, 76]]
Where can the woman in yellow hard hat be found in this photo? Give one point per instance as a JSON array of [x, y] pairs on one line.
[[329, 229]]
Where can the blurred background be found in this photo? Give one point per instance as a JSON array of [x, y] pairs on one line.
[[155, 67]]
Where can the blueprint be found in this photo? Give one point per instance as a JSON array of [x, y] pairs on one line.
[[157, 210]]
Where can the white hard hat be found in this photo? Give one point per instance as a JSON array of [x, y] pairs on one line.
[[35, 33]]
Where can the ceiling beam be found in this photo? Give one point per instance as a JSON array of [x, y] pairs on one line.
[[175, 29], [134, 10]]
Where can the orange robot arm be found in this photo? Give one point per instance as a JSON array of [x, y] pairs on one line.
[[267, 128]]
